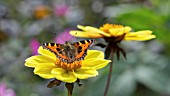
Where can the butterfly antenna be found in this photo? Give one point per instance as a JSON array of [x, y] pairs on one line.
[[72, 36]]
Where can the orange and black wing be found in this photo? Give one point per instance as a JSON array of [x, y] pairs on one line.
[[82, 47], [56, 49]]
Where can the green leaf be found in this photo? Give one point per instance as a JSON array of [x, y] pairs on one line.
[[123, 85], [153, 79]]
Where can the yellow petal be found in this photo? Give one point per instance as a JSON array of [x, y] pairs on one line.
[[44, 70], [63, 75], [94, 54], [34, 60], [29, 64], [127, 29], [78, 33], [90, 29], [140, 35], [85, 72], [47, 53], [119, 31], [95, 63], [140, 38], [144, 32], [81, 27], [85, 34]]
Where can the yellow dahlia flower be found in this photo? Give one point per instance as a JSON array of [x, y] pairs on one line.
[[47, 66], [111, 30], [113, 34]]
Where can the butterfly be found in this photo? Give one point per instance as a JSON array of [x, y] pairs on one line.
[[69, 52]]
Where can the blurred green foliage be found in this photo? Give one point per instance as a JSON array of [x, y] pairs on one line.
[[154, 16], [144, 73]]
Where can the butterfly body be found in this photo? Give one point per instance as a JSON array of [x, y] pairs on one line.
[[70, 52]]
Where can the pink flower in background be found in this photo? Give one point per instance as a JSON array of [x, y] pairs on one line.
[[34, 45], [6, 92], [61, 10], [64, 36]]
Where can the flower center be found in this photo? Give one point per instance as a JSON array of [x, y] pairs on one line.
[[68, 65], [107, 27]]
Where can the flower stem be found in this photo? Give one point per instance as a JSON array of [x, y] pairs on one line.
[[69, 87], [69, 93], [109, 75]]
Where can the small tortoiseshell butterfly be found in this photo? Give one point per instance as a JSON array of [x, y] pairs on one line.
[[69, 52]]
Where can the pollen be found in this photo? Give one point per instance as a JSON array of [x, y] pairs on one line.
[[68, 65], [106, 27]]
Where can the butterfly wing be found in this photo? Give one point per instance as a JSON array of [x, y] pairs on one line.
[[82, 47], [56, 49], [59, 49]]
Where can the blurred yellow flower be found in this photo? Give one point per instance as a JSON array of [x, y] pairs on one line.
[[112, 31], [113, 34], [41, 12], [47, 65]]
